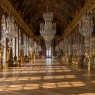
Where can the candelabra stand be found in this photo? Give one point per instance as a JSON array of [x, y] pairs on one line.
[[89, 61], [62, 58], [7, 59], [1, 53], [61, 54], [73, 57], [34, 56], [21, 58], [76, 60], [29, 56], [67, 57], [0, 60], [94, 57], [19, 61]]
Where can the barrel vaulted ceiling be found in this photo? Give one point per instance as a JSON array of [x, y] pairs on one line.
[[32, 12]]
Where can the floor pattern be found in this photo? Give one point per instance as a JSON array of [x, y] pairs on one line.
[[47, 77]]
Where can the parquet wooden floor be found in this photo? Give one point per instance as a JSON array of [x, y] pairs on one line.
[[47, 77]]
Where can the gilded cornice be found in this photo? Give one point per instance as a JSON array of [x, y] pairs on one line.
[[90, 4], [6, 5]]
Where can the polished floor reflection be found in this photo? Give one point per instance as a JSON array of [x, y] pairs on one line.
[[47, 77]]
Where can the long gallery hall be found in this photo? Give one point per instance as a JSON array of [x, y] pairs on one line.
[[47, 47]]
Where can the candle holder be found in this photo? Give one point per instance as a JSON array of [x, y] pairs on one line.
[[19, 61], [89, 64], [21, 58], [34, 56], [67, 57], [1, 53], [7, 59], [29, 56]]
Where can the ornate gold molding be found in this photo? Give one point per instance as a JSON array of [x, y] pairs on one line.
[[6, 5], [90, 4]]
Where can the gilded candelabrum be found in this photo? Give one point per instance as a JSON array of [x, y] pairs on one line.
[[1, 53], [94, 56], [76, 60], [19, 61], [21, 58], [29, 56], [0, 60], [62, 56], [89, 59], [73, 59], [7, 59], [34, 56], [67, 57]]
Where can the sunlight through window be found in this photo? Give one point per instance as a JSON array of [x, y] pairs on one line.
[[48, 52], [49, 85]]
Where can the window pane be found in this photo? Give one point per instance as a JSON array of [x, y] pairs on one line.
[[48, 52]]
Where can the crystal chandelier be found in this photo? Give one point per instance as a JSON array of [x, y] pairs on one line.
[[75, 46], [33, 46], [11, 27], [57, 48], [61, 45], [39, 48], [86, 28], [48, 29]]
